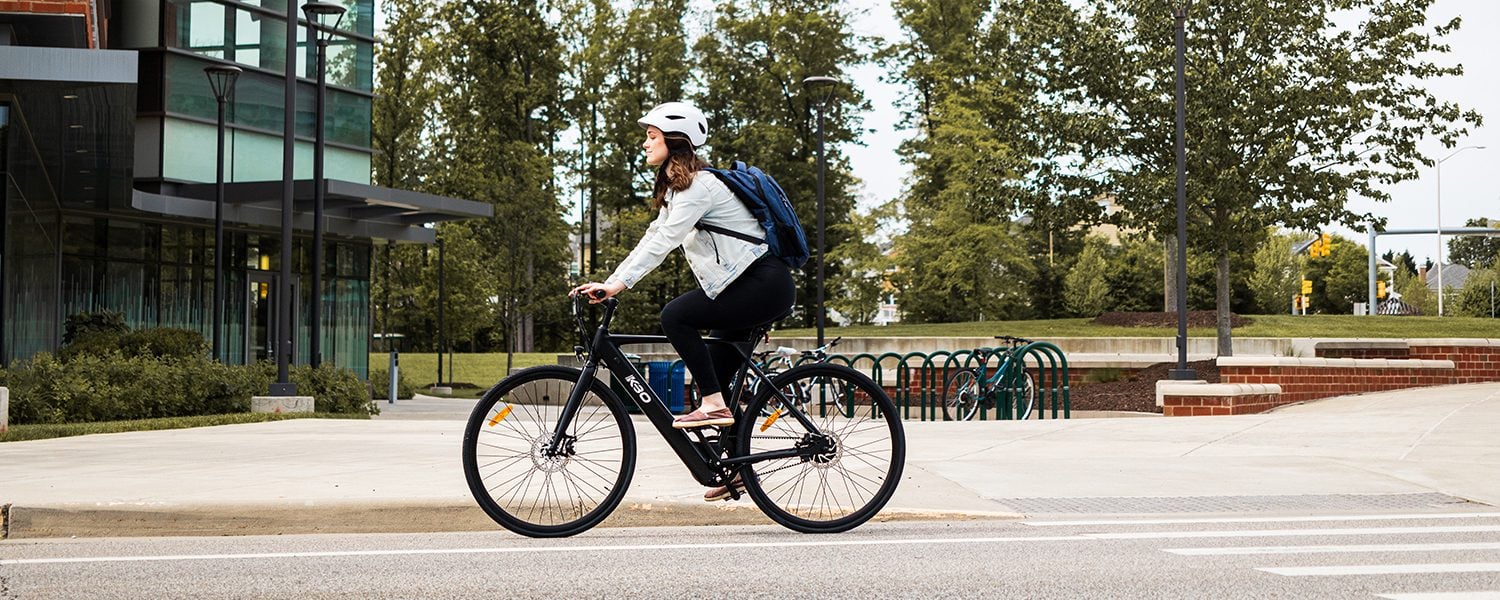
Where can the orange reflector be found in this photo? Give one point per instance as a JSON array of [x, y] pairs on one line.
[[499, 416], [771, 419]]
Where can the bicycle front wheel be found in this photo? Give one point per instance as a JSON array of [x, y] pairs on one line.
[[961, 395], [1026, 402], [519, 483], [845, 470]]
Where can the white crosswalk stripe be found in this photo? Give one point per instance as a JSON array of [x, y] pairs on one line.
[[1353, 548], [1383, 569], [1434, 525]]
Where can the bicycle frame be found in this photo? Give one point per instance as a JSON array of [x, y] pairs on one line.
[[990, 386], [706, 467]]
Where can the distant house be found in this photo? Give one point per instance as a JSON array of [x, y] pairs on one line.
[[1454, 276]]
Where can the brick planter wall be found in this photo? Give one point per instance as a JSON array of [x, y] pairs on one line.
[[1220, 399], [1303, 379], [1471, 364]]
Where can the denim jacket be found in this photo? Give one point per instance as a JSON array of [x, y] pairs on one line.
[[716, 259]]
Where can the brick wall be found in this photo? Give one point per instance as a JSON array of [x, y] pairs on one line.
[[56, 7], [1471, 364], [1192, 405], [1303, 383]]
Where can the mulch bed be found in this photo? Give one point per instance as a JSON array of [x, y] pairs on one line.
[[1196, 318], [1137, 393]]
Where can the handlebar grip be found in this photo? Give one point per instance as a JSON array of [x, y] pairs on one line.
[[598, 294]]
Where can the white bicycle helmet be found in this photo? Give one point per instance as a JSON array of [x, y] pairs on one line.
[[678, 117]]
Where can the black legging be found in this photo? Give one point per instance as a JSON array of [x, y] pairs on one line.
[[763, 292]]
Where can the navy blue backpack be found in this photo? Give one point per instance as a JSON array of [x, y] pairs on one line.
[[769, 204]]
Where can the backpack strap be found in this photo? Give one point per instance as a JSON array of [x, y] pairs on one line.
[[729, 232]]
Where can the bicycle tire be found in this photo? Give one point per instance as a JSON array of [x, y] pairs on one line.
[[962, 393], [864, 465], [532, 494], [1026, 405]]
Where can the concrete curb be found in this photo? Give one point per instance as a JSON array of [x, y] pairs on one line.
[[24, 522]]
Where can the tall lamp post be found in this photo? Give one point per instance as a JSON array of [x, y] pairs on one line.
[[282, 345], [221, 78], [1439, 176], [322, 19], [1182, 372], [810, 84]]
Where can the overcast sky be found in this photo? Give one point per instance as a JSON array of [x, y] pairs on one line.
[[1469, 189]]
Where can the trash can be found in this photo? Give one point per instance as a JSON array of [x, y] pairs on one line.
[[666, 380], [617, 383]]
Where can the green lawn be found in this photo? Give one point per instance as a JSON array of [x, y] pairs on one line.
[[482, 370], [21, 433], [1311, 326]]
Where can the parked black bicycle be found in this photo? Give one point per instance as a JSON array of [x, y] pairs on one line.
[[550, 451]]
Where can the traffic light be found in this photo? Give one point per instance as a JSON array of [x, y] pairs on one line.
[[1306, 287], [1315, 248], [1325, 244], [1380, 288]]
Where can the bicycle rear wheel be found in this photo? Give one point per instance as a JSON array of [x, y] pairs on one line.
[[844, 472], [961, 395], [1026, 405], [518, 484]]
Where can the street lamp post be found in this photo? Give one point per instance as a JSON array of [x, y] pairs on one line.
[[827, 83], [1182, 372], [1439, 176], [221, 78], [282, 345], [322, 19]]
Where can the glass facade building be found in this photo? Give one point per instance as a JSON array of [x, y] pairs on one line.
[[108, 139]]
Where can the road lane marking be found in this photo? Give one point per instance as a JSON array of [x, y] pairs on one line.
[[1248, 550], [1443, 596], [1151, 535], [1265, 519], [523, 550], [1383, 569]]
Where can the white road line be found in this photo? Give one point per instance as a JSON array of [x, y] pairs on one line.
[[1265, 519], [543, 549], [1383, 569], [1248, 550], [1150, 535], [1443, 596]]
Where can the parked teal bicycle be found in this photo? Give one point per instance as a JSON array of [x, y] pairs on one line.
[[1009, 388]]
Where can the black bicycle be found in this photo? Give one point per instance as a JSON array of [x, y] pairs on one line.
[[550, 451]]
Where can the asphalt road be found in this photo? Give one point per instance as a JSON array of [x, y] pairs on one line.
[[1451, 554]]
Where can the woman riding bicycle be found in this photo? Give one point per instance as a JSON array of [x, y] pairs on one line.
[[742, 285]]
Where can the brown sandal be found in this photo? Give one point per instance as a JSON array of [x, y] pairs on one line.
[[716, 418], [722, 492]]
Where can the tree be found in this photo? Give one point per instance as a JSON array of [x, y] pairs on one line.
[[752, 63], [404, 93], [1277, 275], [1415, 292], [1478, 297], [500, 107], [1339, 279], [860, 284], [1135, 274], [1475, 252], [1401, 261], [1289, 113], [962, 270], [1086, 287]]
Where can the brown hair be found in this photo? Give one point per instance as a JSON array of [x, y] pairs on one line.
[[677, 172]]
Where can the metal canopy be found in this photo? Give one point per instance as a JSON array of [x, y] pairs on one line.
[[350, 209]]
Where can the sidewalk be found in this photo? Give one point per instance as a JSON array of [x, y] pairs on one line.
[[1401, 450]]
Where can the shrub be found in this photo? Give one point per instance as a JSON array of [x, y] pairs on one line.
[[104, 321], [380, 383], [164, 342], [93, 387], [91, 343], [334, 389]]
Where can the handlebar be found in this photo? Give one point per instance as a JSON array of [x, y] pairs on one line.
[[1013, 340]]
